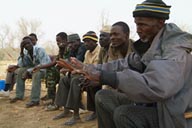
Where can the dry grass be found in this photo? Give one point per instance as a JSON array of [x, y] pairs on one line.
[[3, 67]]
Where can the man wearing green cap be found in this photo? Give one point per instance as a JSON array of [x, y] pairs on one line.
[[158, 80], [74, 48], [69, 90], [77, 49]]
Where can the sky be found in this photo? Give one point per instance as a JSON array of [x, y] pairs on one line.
[[80, 16]]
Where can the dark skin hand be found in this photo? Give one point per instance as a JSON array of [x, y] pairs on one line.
[[63, 63], [53, 63], [12, 68]]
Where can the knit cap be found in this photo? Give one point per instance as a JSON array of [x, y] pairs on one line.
[[152, 8], [90, 35]]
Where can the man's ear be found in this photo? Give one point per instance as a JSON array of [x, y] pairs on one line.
[[162, 22]]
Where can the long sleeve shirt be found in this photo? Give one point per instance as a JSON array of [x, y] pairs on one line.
[[39, 58], [161, 75]]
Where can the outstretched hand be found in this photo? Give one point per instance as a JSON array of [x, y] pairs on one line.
[[64, 64], [64, 70], [76, 63], [76, 67], [87, 82]]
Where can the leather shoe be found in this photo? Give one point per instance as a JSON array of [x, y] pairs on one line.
[[44, 98], [15, 100], [32, 103], [73, 121], [62, 115], [91, 117]]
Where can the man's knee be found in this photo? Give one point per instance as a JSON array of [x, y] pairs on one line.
[[75, 82], [119, 114], [37, 75], [21, 70], [100, 95], [63, 80]]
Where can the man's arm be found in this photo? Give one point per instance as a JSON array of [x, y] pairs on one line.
[[81, 53], [132, 61], [45, 66], [160, 80], [43, 57]]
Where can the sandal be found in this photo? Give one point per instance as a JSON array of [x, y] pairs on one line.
[[52, 107]]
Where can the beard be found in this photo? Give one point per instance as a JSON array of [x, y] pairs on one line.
[[145, 40], [115, 44]]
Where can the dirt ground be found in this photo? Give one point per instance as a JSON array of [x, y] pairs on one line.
[[17, 116]]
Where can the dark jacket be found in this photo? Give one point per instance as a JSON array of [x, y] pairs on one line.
[[79, 53], [166, 78]]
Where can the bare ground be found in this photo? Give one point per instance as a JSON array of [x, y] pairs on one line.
[[17, 116]]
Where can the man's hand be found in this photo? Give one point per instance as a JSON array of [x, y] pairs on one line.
[[25, 75], [76, 63], [12, 68], [64, 64], [73, 64], [88, 71], [87, 82], [64, 70], [35, 69]]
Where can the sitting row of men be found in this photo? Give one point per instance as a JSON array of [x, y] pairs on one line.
[[151, 78], [34, 63]]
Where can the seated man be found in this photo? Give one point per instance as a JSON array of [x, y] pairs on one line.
[[69, 90], [115, 44], [75, 49], [158, 81], [33, 57], [52, 74], [11, 74], [104, 41], [121, 44]]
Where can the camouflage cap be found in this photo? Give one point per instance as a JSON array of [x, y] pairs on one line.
[[73, 37]]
